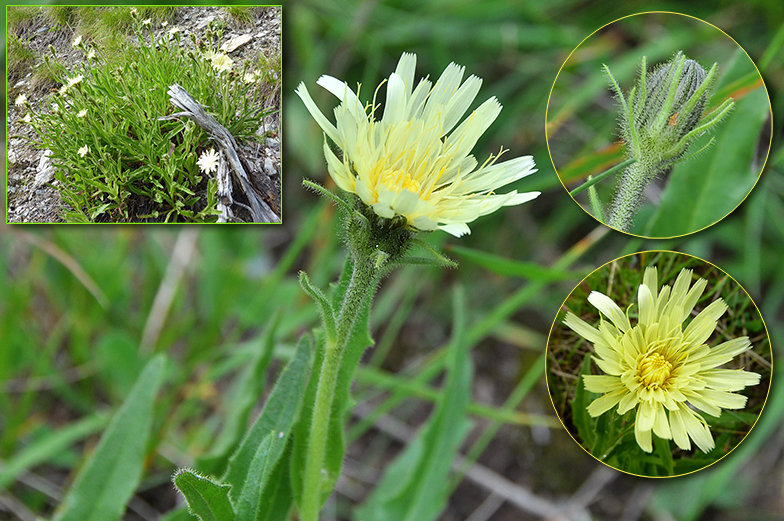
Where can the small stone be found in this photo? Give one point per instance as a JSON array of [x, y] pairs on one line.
[[269, 167], [235, 43], [45, 169], [273, 142]]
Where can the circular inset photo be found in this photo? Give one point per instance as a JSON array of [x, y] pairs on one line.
[[658, 364], [658, 124]]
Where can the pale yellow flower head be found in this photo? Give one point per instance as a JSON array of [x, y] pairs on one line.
[[83, 151], [221, 62], [416, 160], [665, 371]]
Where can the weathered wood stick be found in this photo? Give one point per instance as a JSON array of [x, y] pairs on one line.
[[225, 200], [180, 98]]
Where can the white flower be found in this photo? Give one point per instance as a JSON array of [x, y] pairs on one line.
[[82, 113], [133, 11], [416, 160], [64, 89], [20, 100], [75, 80], [174, 30], [249, 78], [221, 62], [77, 41], [164, 24], [91, 54], [27, 119], [84, 150], [208, 161], [147, 21]]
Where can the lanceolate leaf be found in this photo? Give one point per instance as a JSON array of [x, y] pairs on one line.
[[278, 497], [255, 460], [415, 486], [206, 499], [111, 475]]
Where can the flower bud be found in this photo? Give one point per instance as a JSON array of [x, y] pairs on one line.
[[662, 115], [691, 77], [667, 105]]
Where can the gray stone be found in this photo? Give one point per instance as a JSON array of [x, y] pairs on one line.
[[235, 43], [45, 169]]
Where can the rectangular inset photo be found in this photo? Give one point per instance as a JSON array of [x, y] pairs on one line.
[[143, 114]]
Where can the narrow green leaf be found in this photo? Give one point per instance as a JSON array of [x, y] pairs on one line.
[[251, 501], [241, 399], [325, 307], [415, 487], [48, 446], [109, 478], [206, 499], [512, 268], [255, 460]]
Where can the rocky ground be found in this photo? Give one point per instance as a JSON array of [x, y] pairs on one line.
[[31, 202]]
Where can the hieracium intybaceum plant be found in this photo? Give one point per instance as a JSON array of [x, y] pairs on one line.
[[406, 172], [660, 118], [114, 160], [666, 375]]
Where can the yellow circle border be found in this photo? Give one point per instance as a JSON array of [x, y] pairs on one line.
[[563, 305], [764, 163]]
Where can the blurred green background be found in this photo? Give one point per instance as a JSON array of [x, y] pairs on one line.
[[82, 308]]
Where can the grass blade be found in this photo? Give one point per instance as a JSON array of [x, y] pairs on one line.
[[415, 486], [47, 447], [110, 476], [512, 268]]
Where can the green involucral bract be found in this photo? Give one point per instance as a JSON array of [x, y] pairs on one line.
[[660, 118]]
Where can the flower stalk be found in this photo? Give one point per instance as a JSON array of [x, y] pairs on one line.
[[364, 278], [410, 171]]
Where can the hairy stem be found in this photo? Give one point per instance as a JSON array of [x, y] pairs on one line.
[[630, 191], [363, 282]]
